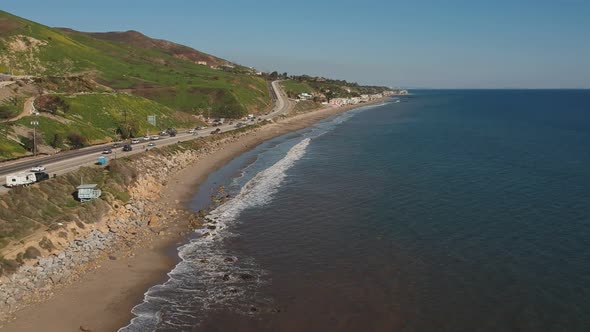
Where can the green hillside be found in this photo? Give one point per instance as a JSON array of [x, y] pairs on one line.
[[101, 118], [293, 88], [330, 88], [164, 77]]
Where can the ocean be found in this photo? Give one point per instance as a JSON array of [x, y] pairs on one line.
[[457, 210]]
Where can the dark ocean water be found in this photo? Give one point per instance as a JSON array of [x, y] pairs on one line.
[[448, 211]]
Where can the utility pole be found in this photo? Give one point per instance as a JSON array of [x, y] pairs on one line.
[[34, 123]]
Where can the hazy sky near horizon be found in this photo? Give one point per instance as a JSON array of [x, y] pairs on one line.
[[428, 43]]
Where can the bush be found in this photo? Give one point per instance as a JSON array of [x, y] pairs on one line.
[[8, 266], [76, 140], [46, 244], [57, 141], [52, 104], [32, 253], [5, 112]]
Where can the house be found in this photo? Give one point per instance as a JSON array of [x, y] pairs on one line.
[[339, 101], [202, 63], [305, 96], [87, 192]]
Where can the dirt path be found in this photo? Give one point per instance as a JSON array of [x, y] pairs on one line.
[[28, 109]]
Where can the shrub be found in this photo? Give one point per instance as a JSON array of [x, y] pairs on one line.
[[46, 244], [8, 266], [31, 253], [76, 140], [57, 141]]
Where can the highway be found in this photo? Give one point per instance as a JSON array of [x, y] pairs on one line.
[[68, 161]]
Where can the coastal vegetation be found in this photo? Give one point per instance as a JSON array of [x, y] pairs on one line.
[[87, 83], [51, 205], [326, 88]]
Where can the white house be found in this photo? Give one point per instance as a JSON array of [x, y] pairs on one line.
[[305, 96]]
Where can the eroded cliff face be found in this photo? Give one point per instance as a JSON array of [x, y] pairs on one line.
[[77, 247]]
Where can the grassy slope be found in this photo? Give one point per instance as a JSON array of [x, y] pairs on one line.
[[97, 116], [148, 72], [162, 83], [10, 148], [295, 87]]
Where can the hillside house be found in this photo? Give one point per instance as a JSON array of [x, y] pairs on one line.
[[305, 96]]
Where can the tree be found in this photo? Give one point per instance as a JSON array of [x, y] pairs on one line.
[[57, 141], [274, 75], [128, 130], [76, 140]]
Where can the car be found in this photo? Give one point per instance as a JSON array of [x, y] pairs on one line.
[[154, 137], [216, 131], [201, 127], [151, 144], [147, 138], [116, 145], [231, 123], [135, 141], [37, 168], [192, 131], [127, 147], [107, 151]]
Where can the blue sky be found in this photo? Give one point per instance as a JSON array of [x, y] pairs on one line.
[[440, 44]]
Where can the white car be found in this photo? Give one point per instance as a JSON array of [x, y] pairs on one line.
[[192, 131], [154, 137], [134, 141], [147, 138], [38, 168]]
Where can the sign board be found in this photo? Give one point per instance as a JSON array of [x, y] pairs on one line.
[[152, 120]]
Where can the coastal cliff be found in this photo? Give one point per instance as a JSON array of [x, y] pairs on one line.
[[77, 247]]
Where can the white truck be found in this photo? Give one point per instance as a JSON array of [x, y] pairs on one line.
[[25, 178]]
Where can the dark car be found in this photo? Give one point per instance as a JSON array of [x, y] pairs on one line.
[[127, 147], [216, 131]]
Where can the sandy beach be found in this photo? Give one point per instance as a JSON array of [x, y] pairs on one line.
[[103, 298]]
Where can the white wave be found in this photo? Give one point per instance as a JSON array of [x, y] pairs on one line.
[[260, 189], [194, 282]]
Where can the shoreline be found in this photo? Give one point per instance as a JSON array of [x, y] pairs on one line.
[[102, 299]]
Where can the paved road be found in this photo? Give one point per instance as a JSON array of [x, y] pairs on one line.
[[68, 161]]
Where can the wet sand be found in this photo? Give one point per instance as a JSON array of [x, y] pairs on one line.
[[103, 298]]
